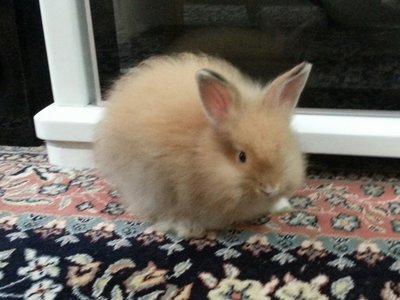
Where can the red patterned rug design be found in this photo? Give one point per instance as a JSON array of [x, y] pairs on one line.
[[334, 208]]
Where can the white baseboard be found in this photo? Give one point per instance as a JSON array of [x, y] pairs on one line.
[[67, 123], [70, 154], [69, 131]]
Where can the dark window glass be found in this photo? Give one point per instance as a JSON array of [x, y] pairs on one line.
[[354, 45]]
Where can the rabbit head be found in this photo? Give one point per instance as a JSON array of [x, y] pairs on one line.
[[252, 130]]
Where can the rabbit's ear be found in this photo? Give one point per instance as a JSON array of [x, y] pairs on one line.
[[217, 95], [285, 90]]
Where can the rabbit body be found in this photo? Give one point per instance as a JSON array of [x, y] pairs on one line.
[[194, 145]]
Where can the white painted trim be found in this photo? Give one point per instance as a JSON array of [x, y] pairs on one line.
[[348, 112], [70, 154], [93, 54], [348, 134], [69, 45], [70, 131], [67, 124]]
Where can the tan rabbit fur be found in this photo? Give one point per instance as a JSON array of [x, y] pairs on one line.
[[172, 136]]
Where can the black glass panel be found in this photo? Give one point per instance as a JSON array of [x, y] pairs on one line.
[[25, 86], [354, 45]]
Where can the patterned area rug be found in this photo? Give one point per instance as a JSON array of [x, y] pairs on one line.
[[65, 235]]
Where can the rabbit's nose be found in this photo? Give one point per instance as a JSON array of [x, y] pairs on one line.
[[266, 193], [269, 190]]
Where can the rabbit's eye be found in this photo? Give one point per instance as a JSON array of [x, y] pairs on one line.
[[242, 157]]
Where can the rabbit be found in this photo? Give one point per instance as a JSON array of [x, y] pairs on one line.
[[195, 146]]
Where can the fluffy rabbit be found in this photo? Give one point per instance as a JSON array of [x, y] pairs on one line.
[[195, 145]]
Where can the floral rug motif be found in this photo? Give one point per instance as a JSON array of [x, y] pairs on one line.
[[65, 235]]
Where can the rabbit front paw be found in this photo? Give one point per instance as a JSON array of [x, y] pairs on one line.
[[182, 229], [281, 206]]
